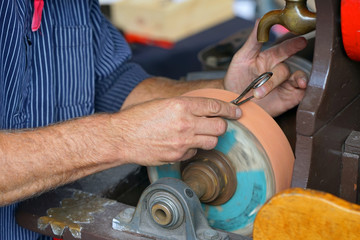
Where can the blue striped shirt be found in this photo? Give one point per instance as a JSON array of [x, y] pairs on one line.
[[76, 64]]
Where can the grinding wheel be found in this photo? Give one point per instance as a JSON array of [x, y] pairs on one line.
[[261, 157]]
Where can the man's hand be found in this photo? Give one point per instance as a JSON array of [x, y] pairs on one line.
[[169, 130], [284, 90], [152, 133]]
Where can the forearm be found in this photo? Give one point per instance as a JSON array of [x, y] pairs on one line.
[[38, 160], [159, 87]]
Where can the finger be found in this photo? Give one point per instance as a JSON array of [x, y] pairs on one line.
[[208, 107], [299, 79], [281, 73], [188, 154], [284, 50], [206, 142], [252, 47], [210, 126]]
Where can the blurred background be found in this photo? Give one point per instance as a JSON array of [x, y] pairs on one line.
[[181, 39]]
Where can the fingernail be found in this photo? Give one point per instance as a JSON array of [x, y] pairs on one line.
[[303, 82], [301, 44], [259, 92], [238, 112]]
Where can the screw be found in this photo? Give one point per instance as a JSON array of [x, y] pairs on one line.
[[127, 214], [189, 193], [211, 234]]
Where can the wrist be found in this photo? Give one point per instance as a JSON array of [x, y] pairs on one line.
[[86, 140], [117, 131]]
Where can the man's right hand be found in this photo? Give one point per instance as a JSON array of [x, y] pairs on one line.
[[152, 133], [169, 130]]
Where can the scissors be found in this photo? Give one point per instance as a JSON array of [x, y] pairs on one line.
[[258, 82]]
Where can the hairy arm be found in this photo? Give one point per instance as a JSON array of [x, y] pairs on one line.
[[160, 87], [36, 160]]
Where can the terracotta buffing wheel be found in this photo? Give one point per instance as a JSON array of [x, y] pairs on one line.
[[262, 158]]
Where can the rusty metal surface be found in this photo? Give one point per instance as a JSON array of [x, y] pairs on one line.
[[186, 219], [99, 228], [329, 110], [113, 184], [106, 183], [73, 213]]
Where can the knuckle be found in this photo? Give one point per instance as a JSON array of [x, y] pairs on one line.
[[210, 143], [283, 71], [184, 125], [299, 74], [221, 126], [214, 106], [178, 104], [263, 60]]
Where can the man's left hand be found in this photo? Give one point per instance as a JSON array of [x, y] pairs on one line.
[[284, 90]]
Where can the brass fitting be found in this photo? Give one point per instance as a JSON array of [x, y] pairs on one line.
[[211, 176], [296, 17]]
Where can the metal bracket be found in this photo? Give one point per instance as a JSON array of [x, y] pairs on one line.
[[350, 168], [167, 209]]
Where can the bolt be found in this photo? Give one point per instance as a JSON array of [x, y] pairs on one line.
[[211, 234], [127, 214], [189, 193]]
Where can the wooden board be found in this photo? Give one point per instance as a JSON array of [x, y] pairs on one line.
[[307, 214]]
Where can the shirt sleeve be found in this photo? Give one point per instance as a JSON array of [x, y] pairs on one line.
[[115, 75]]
